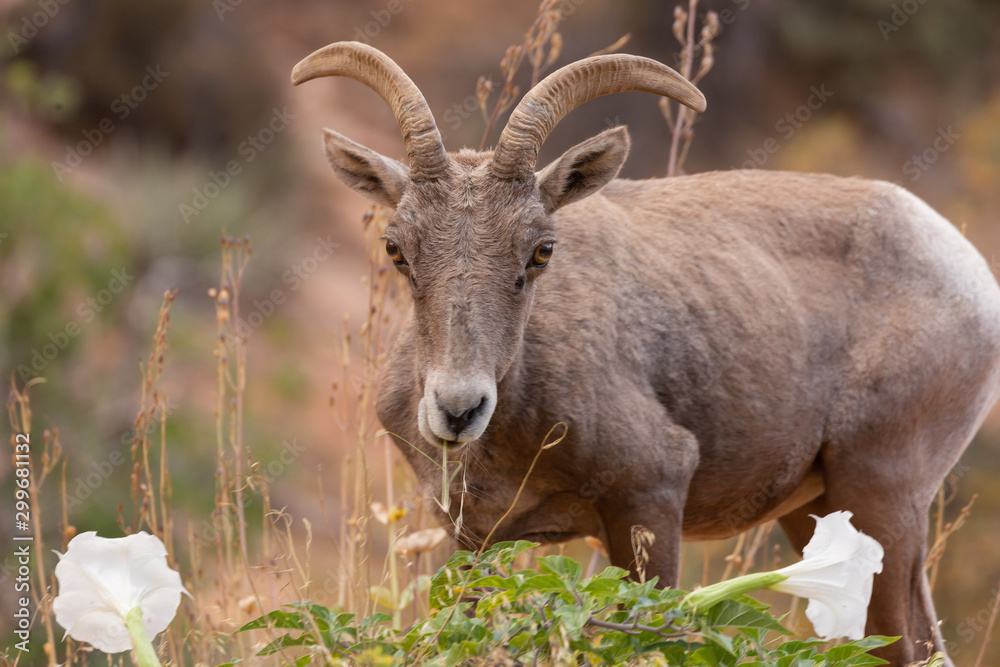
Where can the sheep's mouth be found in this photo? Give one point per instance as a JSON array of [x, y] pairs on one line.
[[550, 536], [451, 445]]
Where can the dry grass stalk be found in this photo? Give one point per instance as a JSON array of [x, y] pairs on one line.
[[989, 629], [231, 579], [642, 540], [228, 514], [681, 123], [613, 48], [153, 408], [760, 535], [943, 532], [542, 45], [352, 404], [151, 402]]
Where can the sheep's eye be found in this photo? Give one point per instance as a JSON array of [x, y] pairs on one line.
[[395, 254], [543, 253]]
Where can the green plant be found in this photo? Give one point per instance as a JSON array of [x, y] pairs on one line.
[[484, 610]]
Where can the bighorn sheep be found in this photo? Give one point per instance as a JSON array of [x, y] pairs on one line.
[[725, 348]]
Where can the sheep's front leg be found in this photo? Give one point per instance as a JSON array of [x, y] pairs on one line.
[[643, 512], [645, 541]]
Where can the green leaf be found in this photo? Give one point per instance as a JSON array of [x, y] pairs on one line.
[[323, 616], [855, 654], [705, 656], [611, 572], [284, 620], [494, 581], [660, 600], [674, 653], [863, 660], [602, 587], [718, 639], [378, 618], [504, 553], [286, 641], [573, 619], [421, 585], [382, 596], [736, 614], [543, 583], [796, 654], [937, 660], [445, 586], [802, 659], [797, 646], [561, 566], [874, 641], [636, 591]]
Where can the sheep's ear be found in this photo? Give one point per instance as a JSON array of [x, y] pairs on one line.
[[379, 178], [583, 169]]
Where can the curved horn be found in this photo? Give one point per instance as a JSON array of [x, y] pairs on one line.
[[569, 87], [376, 70]]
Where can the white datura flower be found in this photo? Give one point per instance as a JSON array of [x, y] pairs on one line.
[[836, 573], [104, 581]]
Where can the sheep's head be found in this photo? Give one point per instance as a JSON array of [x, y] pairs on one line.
[[472, 231]]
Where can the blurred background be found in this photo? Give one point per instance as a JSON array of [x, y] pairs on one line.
[[134, 134]]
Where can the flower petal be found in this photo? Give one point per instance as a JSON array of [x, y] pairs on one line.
[[79, 583], [104, 630], [154, 586], [837, 608], [420, 541], [831, 622], [159, 608], [90, 564]]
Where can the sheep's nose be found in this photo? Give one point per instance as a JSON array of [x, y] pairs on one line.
[[459, 420], [456, 409]]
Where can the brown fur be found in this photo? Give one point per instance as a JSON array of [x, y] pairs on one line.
[[725, 348]]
